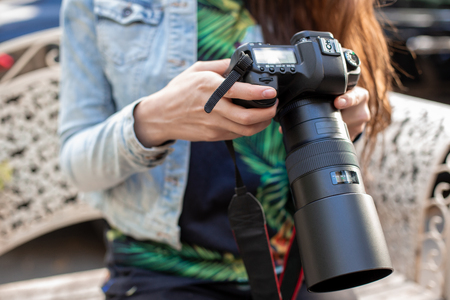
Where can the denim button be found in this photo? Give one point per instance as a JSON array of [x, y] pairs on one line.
[[126, 12]]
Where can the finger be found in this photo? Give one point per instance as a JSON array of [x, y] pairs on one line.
[[356, 115], [351, 98], [246, 91], [223, 129], [239, 90], [245, 116], [249, 130], [356, 118], [216, 66]]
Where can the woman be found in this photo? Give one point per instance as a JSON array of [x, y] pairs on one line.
[[139, 146]]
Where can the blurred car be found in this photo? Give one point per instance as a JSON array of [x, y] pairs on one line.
[[421, 46], [21, 17], [29, 36]]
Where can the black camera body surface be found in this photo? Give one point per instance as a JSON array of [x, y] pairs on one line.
[[314, 63], [341, 241]]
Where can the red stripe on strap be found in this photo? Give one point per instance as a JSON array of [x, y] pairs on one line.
[[298, 286], [273, 263], [287, 255]]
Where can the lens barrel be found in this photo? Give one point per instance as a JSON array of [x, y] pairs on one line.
[[340, 238]]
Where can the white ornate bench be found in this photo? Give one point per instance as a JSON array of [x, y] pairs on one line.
[[408, 178], [34, 196]]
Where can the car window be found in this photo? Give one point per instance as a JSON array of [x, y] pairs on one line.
[[422, 3]]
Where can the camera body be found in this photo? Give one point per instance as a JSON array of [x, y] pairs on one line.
[[341, 241], [315, 63]]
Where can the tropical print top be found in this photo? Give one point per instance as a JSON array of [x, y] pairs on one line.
[[222, 24]]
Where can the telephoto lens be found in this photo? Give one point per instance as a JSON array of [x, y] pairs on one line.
[[339, 234]]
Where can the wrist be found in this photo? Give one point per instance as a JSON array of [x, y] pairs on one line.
[[147, 127]]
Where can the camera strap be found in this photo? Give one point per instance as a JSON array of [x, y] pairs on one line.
[[236, 73], [248, 223]]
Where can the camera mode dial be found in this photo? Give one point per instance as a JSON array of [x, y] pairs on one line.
[[352, 60]]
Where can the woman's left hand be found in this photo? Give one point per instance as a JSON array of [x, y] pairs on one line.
[[354, 106]]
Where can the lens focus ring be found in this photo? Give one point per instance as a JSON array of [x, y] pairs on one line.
[[318, 155]]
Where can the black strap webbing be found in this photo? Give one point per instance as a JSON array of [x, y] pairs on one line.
[[248, 223], [236, 73], [240, 187], [249, 227]]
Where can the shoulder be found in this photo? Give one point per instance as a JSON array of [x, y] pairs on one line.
[[76, 7], [76, 11]]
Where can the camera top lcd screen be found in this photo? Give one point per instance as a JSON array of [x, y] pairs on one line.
[[274, 55]]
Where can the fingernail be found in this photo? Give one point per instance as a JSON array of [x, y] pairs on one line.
[[269, 93], [342, 102]]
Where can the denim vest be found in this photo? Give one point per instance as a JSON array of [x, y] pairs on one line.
[[113, 53]]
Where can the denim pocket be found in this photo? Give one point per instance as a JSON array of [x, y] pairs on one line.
[[126, 29]]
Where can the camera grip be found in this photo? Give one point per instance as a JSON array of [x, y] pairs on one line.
[[257, 79], [255, 103]]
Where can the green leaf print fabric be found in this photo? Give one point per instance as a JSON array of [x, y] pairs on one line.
[[222, 24]]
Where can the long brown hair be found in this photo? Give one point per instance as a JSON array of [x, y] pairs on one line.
[[354, 24]]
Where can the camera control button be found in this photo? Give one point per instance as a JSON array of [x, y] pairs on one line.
[[261, 69], [266, 80], [352, 60], [272, 69], [292, 69], [329, 46], [282, 69]]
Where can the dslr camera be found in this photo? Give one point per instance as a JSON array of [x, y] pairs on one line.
[[338, 231]]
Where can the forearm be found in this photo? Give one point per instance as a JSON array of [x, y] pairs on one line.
[[104, 155], [98, 146]]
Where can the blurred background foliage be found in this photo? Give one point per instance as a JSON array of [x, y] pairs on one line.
[[5, 173]]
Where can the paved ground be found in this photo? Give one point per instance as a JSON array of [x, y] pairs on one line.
[[72, 249]]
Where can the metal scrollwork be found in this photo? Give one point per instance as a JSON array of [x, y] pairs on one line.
[[433, 253], [35, 198], [402, 178]]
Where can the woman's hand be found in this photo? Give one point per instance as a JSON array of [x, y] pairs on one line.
[[354, 109], [177, 111]]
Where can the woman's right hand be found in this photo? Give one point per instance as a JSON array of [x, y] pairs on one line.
[[177, 111]]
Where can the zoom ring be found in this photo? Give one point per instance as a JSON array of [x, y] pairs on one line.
[[316, 148], [316, 162]]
